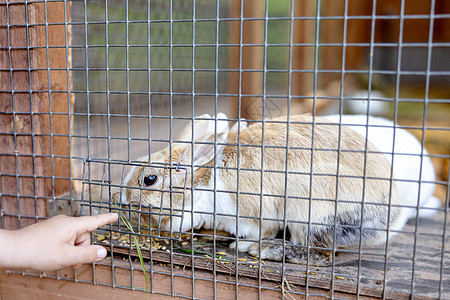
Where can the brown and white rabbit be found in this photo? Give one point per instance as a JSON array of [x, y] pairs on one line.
[[270, 179]]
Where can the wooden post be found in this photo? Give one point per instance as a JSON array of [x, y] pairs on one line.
[[329, 57], [252, 56], [34, 105], [303, 56], [358, 31]]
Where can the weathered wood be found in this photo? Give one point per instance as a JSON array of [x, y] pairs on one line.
[[357, 31], [344, 277], [174, 275], [34, 101], [80, 286], [249, 83], [303, 56]]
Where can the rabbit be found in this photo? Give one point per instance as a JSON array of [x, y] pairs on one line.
[[407, 167], [356, 102], [204, 124], [225, 170]]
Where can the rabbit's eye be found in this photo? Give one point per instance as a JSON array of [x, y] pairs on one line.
[[150, 180]]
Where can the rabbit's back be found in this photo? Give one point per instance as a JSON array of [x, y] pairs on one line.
[[410, 161], [341, 170]]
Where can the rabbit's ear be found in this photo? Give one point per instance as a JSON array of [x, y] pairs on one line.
[[242, 124], [222, 123], [205, 150], [202, 126]]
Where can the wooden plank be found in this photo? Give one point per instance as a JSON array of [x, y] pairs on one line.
[[173, 275], [427, 256], [303, 57], [16, 286], [35, 162], [441, 26], [414, 30], [82, 285], [270, 272], [329, 57], [358, 31], [250, 85]]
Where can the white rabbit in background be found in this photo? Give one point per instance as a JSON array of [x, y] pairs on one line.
[[243, 190], [356, 102], [410, 165]]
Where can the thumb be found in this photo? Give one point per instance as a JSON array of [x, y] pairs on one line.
[[87, 254]]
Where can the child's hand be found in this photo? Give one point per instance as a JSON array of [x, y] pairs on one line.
[[55, 243]]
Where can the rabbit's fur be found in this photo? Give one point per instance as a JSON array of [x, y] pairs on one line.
[[411, 163], [229, 163]]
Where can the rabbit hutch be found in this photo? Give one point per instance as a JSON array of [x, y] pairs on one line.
[[276, 125]]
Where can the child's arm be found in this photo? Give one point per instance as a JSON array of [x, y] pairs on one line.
[[54, 243]]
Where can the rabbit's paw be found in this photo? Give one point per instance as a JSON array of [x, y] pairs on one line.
[[243, 246], [272, 249]]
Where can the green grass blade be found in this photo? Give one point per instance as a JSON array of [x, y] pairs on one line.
[[136, 242]]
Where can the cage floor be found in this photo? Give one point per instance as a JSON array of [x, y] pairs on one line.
[[415, 264]]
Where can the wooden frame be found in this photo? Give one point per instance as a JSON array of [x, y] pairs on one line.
[[247, 77], [35, 164], [13, 285]]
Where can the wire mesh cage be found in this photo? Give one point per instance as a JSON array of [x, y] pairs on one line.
[[253, 149], [102, 187]]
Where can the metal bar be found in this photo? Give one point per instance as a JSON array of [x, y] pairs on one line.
[[31, 114], [350, 17], [182, 45], [16, 152], [215, 160], [160, 100], [241, 30], [341, 110], [192, 116], [172, 287], [149, 99], [263, 121], [286, 164], [424, 120], [315, 79]]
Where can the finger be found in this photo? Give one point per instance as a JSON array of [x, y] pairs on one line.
[[83, 240], [93, 222], [85, 254]]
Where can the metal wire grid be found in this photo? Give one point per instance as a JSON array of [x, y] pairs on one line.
[[102, 182], [132, 38], [89, 90], [105, 184], [16, 108], [156, 56]]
